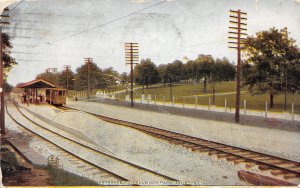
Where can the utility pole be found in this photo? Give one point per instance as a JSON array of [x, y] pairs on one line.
[[131, 58], [236, 31], [66, 69], [88, 62], [2, 112]]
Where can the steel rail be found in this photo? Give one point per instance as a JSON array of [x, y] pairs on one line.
[[218, 146], [94, 150]]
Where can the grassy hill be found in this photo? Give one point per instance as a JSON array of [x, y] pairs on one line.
[[223, 90]]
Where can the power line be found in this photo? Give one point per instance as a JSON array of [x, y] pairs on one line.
[[16, 5], [109, 22]]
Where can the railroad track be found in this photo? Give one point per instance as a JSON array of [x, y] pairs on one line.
[[277, 166], [142, 171]]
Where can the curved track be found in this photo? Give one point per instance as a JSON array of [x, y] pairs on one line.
[[278, 166], [78, 144]]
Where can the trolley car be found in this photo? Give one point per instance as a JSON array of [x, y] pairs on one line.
[[55, 96]]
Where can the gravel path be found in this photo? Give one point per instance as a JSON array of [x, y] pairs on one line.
[[270, 141]]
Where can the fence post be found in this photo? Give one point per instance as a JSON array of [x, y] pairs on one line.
[[209, 103], [155, 99], [182, 102], [293, 113], [164, 100], [196, 102], [173, 101], [266, 109], [245, 106], [225, 105], [141, 99]]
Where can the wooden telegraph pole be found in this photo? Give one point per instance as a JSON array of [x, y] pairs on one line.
[[88, 62], [66, 69], [236, 32], [2, 111], [131, 58]]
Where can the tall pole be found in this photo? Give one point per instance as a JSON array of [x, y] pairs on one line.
[[131, 76], [2, 116], [2, 112], [238, 71], [285, 92], [67, 68], [237, 41], [88, 61], [131, 58]]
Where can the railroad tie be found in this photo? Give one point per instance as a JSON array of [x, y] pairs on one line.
[[296, 168], [277, 172], [262, 158], [231, 158], [290, 176], [249, 165], [287, 165], [274, 161], [213, 152], [200, 149], [222, 155], [264, 167], [239, 161]]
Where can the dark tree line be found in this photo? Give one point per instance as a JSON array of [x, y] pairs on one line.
[[99, 78]]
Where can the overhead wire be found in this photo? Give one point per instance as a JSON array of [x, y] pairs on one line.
[[16, 6], [109, 22]]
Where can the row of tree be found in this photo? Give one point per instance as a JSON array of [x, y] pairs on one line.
[[145, 74], [204, 67], [98, 78]]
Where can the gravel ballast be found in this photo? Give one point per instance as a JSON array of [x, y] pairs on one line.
[[270, 141]]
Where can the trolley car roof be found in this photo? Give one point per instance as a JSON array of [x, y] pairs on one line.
[[39, 83]]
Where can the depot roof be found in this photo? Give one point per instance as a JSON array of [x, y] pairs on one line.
[[38, 83]]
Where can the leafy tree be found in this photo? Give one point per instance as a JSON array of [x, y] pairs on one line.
[[124, 78], [51, 77], [174, 73], [272, 56], [8, 61], [146, 73], [110, 75], [162, 73], [205, 62], [221, 70], [97, 78], [66, 79], [193, 72]]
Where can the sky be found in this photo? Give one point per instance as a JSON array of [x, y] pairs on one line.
[[53, 33]]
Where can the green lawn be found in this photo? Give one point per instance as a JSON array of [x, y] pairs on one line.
[[187, 91]]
